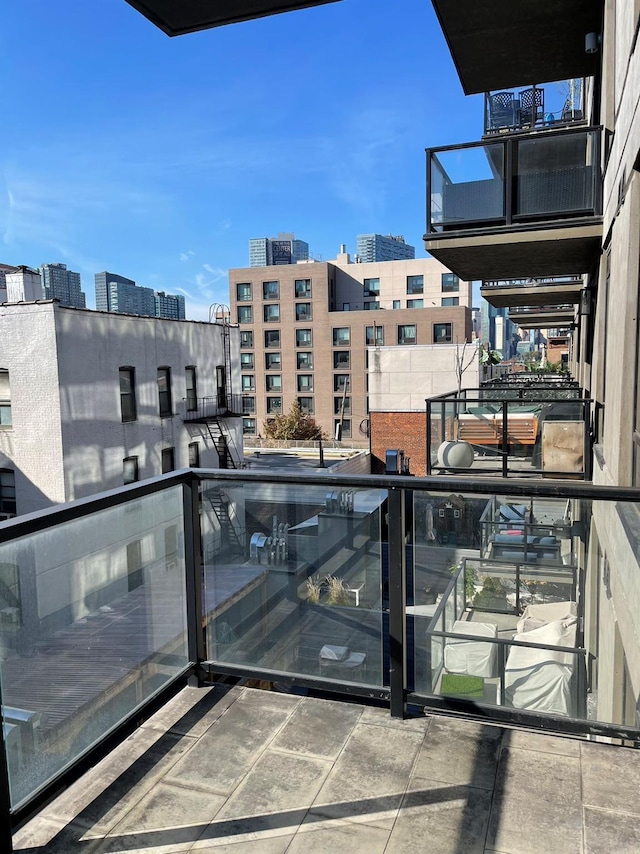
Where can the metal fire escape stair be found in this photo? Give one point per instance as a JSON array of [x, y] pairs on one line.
[[228, 533]]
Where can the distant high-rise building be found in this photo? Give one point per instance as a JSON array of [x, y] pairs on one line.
[[63, 285], [273, 251], [103, 282], [170, 306], [378, 247]]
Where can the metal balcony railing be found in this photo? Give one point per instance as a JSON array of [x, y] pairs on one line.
[[206, 408], [383, 588], [519, 179], [549, 106]]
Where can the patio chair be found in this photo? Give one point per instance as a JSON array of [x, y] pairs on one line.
[[501, 110], [531, 106]]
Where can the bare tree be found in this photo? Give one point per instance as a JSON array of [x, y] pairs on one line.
[[463, 361]]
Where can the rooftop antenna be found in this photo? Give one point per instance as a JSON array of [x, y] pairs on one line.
[[219, 313]]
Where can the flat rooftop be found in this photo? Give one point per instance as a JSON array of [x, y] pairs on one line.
[[237, 769]]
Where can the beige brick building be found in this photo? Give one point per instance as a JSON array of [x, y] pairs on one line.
[[304, 330]]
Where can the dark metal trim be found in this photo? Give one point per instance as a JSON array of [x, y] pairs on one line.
[[193, 573], [397, 602], [6, 842], [528, 136]]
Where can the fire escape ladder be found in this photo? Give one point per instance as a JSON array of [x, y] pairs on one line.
[[228, 533]]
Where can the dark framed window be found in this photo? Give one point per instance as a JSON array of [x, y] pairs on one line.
[[415, 303], [450, 301], [339, 402], [248, 426], [135, 569], [5, 399], [246, 340], [342, 336], [270, 290], [342, 428], [397, 304], [374, 336], [371, 306], [303, 288], [346, 306], [450, 282], [168, 460], [128, 410], [442, 333], [248, 382], [191, 382], [165, 404], [7, 491], [243, 292], [407, 333], [273, 382], [306, 405], [273, 361], [372, 287], [248, 405], [246, 361], [341, 360], [303, 311], [271, 312], [274, 405], [415, 284], [340, 381], [304, 360], [194, 455], [305, 382], [245, 314], [304, 338], [272, 338], [130, 470]]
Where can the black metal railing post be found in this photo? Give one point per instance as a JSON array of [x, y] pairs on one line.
[[397, 602], [193, 570], [505, 439], [6, 843], [428, 439]]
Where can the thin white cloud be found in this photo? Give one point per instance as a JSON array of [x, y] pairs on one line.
[[185, 256]]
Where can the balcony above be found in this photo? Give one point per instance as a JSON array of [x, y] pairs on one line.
[[199, 410], [543, 317], [189, 16], [559, 290], [547, 106], [499, 44], [516, 207]]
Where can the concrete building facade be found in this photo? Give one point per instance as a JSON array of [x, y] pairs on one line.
[[97, 399], [305, 329], [381, 247]]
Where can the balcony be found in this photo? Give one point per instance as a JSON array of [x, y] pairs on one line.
[[517, 207], [410, 593], [555, 290], [544, 316], [495, 45], [546, 106], [199, 410]]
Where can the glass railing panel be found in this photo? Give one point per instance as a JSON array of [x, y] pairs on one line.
[[547, 105], [294, 580], [92, 624], [467, 186]]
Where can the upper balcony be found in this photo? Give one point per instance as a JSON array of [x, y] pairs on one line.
[[501, 44], [543, 317], [554, 290], [549, 106], [516, 207]]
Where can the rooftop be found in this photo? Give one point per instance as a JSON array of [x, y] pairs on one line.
[[237, 769]]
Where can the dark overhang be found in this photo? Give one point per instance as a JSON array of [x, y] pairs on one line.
[[177, 17], [543, 318], [499, 44], [507, 294]]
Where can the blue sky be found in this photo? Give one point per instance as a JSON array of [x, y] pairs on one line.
[[159, 158]]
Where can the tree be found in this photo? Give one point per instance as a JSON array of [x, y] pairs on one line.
[[296, 424], [462, 363]]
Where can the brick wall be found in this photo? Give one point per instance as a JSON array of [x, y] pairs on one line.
[[405, 431]]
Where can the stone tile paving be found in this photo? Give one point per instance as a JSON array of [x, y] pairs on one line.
[[237, 770]]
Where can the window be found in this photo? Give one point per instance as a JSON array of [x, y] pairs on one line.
[[374, 336], [246, 340], [341, 359], [305, 382], [415, 303], [243, 292], [273, 382], [271, 312], [450, 301], [270, 290], [272, 338], [194, 455], [246, 361], [450, 282], [274, 405], [164, 392], [340, 381], [342, 336], [442, 333], [135, 569], [303, 311], [415, 284], [303, 288], [306, 405], [371, 306], [337, 405], [248, 405], [304, 338], [397, 303], [130, 471], [273, 361], [248, 382], [245, 314], [372, 287], [7, 491], [5, 399], [168, 461], [304, 361], [342, 428], [407, 333], [128, 394], [346, 306], [192, 387], [248, 426]]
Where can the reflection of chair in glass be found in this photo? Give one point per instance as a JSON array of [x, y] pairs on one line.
[[531, 105], [501, 109]]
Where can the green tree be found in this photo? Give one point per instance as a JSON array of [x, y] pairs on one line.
[[295, 424]]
